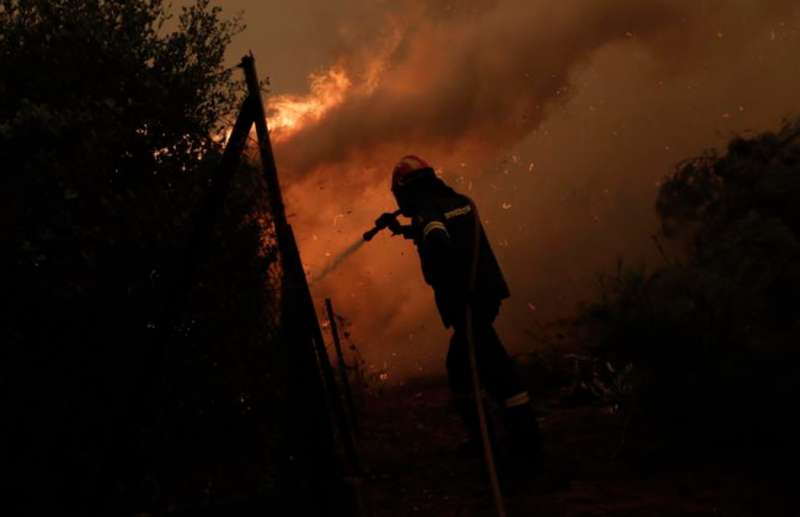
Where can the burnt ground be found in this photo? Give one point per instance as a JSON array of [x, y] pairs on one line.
[[410, 443]]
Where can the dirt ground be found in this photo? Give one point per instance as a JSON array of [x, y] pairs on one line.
[[409, 443]]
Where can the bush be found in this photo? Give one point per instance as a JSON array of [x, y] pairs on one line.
[[107, 124], [713, 336]]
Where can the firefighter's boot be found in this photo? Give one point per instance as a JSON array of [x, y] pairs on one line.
[[525, 442]]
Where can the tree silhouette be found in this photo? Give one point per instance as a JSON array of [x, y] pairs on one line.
[[109, 117], [712, 335]]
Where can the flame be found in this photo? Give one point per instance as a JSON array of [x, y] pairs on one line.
[[288, 114]]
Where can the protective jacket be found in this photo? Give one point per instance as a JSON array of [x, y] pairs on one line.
[[444, 232]]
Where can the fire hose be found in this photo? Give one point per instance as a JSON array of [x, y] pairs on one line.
[[389, 221], [488, 455]]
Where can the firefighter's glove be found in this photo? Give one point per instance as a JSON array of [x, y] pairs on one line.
[[406, 230], [387, 220]]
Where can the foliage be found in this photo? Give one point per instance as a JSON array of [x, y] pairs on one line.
[[713, 337], [108, 112]]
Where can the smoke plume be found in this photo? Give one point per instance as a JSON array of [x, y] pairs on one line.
[[559, 118]]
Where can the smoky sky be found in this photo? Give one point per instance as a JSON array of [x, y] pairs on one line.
[[559, 118]]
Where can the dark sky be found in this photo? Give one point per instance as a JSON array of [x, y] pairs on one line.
[[559, 118]]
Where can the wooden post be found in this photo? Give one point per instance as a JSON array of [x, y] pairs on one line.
[[348, 393], [297, 301], [178, 283], [202, 222], [310, 471]]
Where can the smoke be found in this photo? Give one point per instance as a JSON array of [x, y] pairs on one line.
[[467, 83], [559, 118]]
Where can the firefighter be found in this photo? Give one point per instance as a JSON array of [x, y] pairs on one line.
[[444, 228]]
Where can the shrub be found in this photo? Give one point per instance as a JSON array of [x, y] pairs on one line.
[[714, 335], [107, 124]]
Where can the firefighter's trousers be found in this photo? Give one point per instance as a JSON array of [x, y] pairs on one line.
[[498, 376], [495, 367]]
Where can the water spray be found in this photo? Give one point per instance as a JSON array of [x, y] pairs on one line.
[[338, 259], [387, 220]]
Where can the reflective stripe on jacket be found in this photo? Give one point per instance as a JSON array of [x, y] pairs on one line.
[[444, 232]]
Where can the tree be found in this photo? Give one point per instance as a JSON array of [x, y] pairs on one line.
[[713, 335], [109, 113]]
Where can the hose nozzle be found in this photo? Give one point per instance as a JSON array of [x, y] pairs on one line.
[[384, 221]]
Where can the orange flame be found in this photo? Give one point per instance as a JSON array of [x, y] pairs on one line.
[[288, 114]]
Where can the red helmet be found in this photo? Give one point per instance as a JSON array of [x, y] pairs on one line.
[[410, 168]]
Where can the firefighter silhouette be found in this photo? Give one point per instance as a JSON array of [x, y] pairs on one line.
[[443, 228]]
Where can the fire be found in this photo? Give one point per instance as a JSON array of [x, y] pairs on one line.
[[288, 114]]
